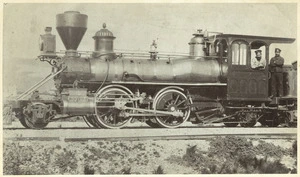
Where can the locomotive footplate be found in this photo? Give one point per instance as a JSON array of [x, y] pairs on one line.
[[282, 100]]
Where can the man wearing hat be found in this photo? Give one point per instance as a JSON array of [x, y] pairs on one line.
[[276, 70], [258, 62]]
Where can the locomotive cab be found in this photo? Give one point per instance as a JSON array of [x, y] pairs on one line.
[[243, 81]]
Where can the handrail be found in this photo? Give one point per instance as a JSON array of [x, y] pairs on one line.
[[131, 54]]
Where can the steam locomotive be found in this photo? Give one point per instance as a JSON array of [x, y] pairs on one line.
[[213, 84]]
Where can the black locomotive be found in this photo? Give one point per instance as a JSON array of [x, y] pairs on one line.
[[213, 84]]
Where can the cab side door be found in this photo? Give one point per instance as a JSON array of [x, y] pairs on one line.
[[244, 82]]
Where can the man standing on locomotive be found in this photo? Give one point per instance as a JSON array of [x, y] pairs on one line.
[[276, 70], [258, 62]]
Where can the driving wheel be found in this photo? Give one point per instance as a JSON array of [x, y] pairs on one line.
[[172, 101]]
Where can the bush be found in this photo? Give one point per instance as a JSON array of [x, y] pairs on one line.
[[262, 165], [295, 148], [159, 170], [225, 156], [231, 155], [18, 159], [126, 171], [66, 162], [88, 170]]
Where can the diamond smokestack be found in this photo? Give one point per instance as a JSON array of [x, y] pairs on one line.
[[71, 27]]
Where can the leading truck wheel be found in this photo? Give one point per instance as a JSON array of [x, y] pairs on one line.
[[21, 118], [35, 125], [36, 115], [107, 114], [172, 101]]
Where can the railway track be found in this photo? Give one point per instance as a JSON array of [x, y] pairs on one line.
[[136, 125], [73, 135]]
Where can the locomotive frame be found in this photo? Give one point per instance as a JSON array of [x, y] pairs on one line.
[[111, 89]]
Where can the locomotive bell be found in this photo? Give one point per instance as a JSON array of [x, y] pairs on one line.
[[71, 27], [197, 45], [104, 45]]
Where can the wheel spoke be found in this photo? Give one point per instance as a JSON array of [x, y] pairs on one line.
[[108, 112], [181, 102], [176, 100], [114, 118], [166, 120], [182, 108]]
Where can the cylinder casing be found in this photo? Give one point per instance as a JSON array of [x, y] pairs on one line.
[[76, 102]]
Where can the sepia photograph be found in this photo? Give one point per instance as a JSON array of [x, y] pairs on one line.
[[149, 88]]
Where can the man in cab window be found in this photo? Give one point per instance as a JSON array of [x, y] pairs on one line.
[[258, 62]]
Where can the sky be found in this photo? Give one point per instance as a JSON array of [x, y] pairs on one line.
[[135, 26]]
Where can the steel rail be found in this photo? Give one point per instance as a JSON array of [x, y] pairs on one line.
[[135, 134], [139, 138]]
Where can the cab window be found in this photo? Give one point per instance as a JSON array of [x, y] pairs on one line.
[[220, 49], [258, 55], [239, 53]]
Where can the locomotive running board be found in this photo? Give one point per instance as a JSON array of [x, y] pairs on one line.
[[39, 84], [170, 83]]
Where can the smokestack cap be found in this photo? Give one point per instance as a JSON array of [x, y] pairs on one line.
[[71, 27], [71, 19]]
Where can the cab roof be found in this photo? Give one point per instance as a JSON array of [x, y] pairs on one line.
[[250, 38]]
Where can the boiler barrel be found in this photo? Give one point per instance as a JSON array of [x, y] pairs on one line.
[[181, 70]]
